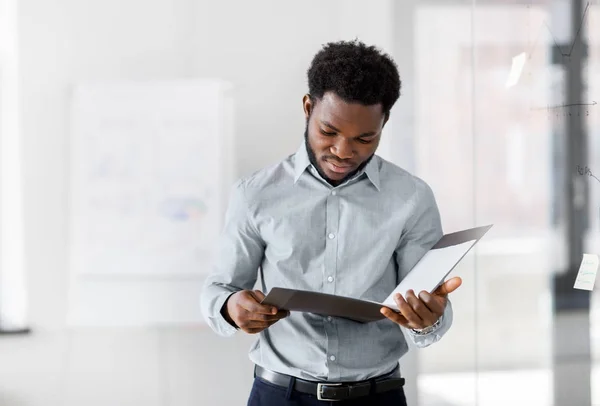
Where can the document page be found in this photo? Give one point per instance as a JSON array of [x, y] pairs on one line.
[[430, 271]]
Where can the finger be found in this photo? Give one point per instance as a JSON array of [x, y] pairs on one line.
[[394, 316], [257, 324], [435, 304], [260, 324], [258, 295], [420, 308], [407, 311], [449, 286], [281, 314], [255, 330], [251, 302], [259, 317]]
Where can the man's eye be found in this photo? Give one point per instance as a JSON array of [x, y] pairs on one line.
[[364, 141], [327, 133]]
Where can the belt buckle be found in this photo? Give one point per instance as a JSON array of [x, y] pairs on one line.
[[320, 388]]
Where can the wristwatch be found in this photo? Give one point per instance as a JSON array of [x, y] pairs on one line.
[[428, 329]]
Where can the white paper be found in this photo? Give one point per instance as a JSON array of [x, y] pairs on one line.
[[586, 277], [435, 265], [517, 68]]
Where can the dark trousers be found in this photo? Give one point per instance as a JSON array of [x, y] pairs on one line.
[[265, 393]]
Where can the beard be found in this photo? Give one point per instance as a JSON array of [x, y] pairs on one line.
[[312, 157]]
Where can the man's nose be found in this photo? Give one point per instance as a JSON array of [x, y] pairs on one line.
[[342, 150]]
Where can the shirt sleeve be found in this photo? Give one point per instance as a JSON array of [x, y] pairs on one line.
[[235, 267], [423, 230]]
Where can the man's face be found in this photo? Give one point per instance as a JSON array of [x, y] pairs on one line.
[[341, 137]]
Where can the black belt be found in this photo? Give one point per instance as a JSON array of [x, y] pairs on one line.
[[333, 391]]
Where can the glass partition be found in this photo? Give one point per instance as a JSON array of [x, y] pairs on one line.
[[489, 102]]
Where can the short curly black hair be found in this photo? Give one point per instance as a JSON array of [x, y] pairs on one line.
[[356, 73]]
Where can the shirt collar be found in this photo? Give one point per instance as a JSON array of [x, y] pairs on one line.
[[372, 171], [302, 162]]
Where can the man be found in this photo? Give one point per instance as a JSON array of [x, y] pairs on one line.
[[334, 218]]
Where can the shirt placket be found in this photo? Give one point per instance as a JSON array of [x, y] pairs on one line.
[[330, 278]]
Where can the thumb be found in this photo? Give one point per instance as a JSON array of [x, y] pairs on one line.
[[449, 286], [258, 295]]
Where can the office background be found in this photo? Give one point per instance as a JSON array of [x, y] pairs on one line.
[[493, 152]]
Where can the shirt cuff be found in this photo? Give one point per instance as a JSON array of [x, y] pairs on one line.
[[430, 329], [218, 322], [423, 340]]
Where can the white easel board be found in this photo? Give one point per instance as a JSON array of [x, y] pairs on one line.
[[151, 167]]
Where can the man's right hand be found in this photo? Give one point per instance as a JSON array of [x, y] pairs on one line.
[[246, 311]]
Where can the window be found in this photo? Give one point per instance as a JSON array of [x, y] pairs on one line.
[[12, 281]]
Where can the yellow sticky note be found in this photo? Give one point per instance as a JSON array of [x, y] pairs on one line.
[[586, 277]]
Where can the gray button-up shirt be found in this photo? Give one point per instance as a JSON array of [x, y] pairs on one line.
[[290, 228]]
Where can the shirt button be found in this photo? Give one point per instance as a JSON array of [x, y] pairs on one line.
[[331, 235], [332, 358], [330, 279], [329, 318], [334, 193]]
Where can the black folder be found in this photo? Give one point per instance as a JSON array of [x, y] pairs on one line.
[[428, 274]]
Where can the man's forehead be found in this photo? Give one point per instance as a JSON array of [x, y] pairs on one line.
[[343, 117], [336, 107]]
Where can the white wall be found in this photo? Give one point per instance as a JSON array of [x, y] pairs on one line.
[[262, 47], [60, 45]]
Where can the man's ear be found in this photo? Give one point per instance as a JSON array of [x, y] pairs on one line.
[[385, 119], [307, 105]]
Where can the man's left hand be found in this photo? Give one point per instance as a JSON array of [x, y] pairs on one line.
[[424, 310]]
